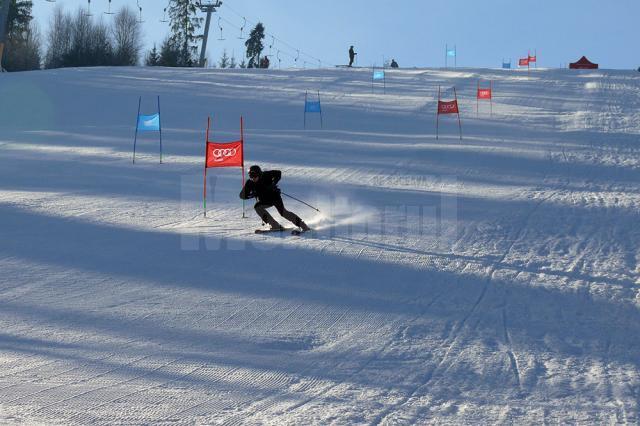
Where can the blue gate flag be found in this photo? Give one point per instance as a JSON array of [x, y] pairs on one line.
[[451, 52], [506, 65], [378, 75], [312, 106], [149, 123]]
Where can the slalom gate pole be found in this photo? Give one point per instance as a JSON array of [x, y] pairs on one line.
[[321, 124], [242, 144], [135, 138], [459, 122], [305, 109], [160, 128], [438, 113], [206, 153], [478, 101], [300, 201]]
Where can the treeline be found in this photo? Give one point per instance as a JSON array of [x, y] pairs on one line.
[[79, 41]]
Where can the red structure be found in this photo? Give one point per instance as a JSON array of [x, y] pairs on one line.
[[583, 64], [448, 107]]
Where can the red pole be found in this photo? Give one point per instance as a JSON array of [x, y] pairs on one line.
[[459, 122], [438, 113], [206, 153], [491, 98], [242, 144], [478, 100]]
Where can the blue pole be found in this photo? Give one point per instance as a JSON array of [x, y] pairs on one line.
[[320, 105], [160, 128], [305, 110], [135, 138]]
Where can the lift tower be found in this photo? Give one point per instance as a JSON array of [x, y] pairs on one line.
[[208, 8]]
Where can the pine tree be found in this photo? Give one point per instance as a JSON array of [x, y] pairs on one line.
[[243, 64], [153, 58], [254, 45], [232, 61], [22, 51], [224, 59], [184, 23], [169, 53]]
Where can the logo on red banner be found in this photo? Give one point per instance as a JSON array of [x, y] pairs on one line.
[[450, 107], [532, 59], [523, 62], [484, 93], [224, 154]]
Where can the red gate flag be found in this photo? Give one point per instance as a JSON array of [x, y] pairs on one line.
[[532, 58], [484, 93], [448, 107], [224, 154], [523, 62]]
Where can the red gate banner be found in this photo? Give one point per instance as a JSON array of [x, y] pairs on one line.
[[224, 154], [532, 59], [484, 93], [448, 107], [523, 62]]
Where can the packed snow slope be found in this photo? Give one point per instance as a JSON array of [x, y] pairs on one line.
[[493, 279]]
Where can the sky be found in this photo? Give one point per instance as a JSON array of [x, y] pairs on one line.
[[414, 32]]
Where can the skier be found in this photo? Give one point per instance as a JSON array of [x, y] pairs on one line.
[[264, 187], [352, 56], [394, 64]]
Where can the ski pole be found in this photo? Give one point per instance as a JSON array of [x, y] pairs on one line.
[[300, 201]]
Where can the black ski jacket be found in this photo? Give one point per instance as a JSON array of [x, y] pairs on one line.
[[265, 189]]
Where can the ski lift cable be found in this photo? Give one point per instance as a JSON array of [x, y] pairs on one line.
[[302, 52]]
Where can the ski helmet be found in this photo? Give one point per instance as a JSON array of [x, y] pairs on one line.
[[255, 170]]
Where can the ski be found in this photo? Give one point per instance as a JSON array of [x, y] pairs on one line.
[[270, 231], [299, 231]]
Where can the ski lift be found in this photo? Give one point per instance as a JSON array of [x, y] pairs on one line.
[[297, 57], [88, 8], [164, 18], [242, 28], [220, 26], [51, 1], [273, 41], [109, 12], [140, 21], [279, 58]]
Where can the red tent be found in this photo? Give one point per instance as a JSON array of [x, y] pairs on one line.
[[583, 64]]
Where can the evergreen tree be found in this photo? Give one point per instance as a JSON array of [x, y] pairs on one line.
[[22, 51], [184, 23], [169, 53], [243, 64], [224, 59], [153, 58], [232, 61], [254, 45]]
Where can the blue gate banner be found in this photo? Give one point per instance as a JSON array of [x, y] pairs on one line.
[[378, 75], [149, 123], [312, 106], [451, 53]]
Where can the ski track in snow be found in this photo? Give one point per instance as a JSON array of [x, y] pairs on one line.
[[489, 280]]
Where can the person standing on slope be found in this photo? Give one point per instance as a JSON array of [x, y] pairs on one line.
[[352, 56], [394, 64], [263, 185]]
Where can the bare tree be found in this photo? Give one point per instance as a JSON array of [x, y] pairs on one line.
[[58, 39], [127, 37]]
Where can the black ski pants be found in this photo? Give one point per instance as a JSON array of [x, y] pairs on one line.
[[262, 206]]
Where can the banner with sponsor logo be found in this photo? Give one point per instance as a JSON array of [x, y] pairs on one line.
[[506, 65], [523, 62], [312, 107], [484, 93], [147, 123], [223, 154], [447, 107]]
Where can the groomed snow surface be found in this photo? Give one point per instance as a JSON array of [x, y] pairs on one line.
[[490, 280]]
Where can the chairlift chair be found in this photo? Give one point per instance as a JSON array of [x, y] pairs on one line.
[[242, 28], [109, 12], [220, 26], [164, 17]]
